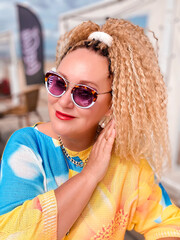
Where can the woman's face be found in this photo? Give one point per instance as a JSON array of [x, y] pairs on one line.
[[86, 67]]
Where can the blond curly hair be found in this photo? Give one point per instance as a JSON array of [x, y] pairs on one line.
[[139, 101]]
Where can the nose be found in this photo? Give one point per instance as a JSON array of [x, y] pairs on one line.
[[65, 100]]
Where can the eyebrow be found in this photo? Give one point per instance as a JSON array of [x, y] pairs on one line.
[[85, 82]]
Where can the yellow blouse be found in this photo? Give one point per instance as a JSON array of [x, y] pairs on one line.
[[128, 197]]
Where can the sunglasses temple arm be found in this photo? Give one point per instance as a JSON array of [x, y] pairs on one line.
[[105, 92]]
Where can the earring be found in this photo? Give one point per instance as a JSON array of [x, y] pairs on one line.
[[104, 121], [102, 125]]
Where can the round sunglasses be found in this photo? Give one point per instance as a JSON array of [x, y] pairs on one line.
[[82, 96]]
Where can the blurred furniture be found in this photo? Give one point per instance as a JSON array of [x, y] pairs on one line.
[[171, 182], [132, 235], [28, 102]]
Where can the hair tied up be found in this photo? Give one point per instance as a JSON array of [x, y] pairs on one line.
[[102, 37]]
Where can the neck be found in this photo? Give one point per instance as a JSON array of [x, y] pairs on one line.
[[75, 142], [78, 143]]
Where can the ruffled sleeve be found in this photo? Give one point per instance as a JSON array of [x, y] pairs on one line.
[[156, 215], [27, 210], [35, 219]]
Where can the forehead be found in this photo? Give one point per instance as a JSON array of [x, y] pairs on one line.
[[84, 64], [86, 60]]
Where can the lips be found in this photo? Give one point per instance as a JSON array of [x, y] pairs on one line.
[[64, 116]]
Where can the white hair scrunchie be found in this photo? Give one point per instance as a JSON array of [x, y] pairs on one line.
[[102, 37]]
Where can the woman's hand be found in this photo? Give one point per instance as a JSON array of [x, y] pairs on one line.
[[101, 154], [71, 200]]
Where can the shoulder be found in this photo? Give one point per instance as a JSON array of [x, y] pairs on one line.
[[23, 135], [29, 139], [139, 166], [38, 132], [27, 144], [132, 171], [20, 139], [142, 173]]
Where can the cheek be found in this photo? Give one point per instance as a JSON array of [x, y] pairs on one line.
[[105, 104], [98, 111], [51, 100]]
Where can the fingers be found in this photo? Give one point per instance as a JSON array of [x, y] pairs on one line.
[[108, 133], [106, 138], [101, 153], [109, 137]]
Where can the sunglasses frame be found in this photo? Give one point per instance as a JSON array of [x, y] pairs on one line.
[[67, 83]]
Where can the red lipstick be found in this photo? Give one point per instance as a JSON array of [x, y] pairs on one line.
[[63, 116]]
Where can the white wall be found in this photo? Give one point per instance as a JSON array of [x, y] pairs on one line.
[[164, 21]]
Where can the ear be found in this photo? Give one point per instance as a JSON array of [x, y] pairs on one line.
[[109, 112]]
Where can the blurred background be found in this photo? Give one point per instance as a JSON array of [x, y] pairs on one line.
[[29, 31]]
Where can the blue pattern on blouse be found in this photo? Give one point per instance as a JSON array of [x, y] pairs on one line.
[[165, 201], [32, 164]]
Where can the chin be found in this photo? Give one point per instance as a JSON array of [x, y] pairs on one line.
[[61, 129]]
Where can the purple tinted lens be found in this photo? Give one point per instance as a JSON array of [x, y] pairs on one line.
[[83, 96], [56, 85]]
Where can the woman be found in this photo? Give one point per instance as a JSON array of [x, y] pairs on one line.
[[68, 178]]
